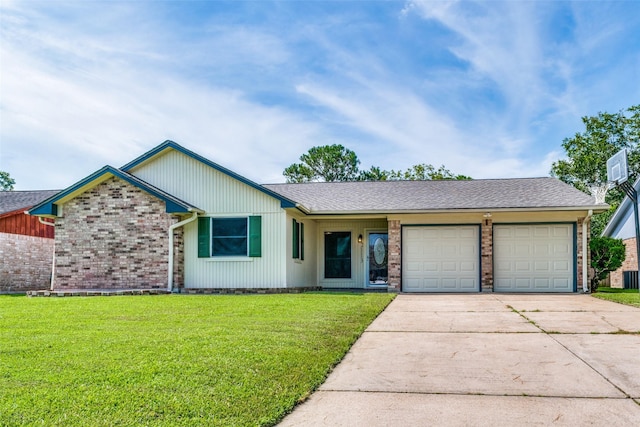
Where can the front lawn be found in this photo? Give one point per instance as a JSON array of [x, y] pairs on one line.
[[173, 359], [622, 296]]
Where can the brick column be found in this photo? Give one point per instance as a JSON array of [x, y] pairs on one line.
[[579, 253], [394, 259], [486, 248], [178, 256]]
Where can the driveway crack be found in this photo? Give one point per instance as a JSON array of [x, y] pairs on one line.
[[551, 335]]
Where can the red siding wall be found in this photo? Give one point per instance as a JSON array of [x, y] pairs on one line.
[[18, 222]]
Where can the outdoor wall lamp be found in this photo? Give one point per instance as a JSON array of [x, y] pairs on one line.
[[360, 238], [487, 216]]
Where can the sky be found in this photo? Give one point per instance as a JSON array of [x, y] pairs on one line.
[[488, 89]]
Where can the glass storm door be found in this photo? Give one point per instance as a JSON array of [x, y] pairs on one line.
[[377, 255]]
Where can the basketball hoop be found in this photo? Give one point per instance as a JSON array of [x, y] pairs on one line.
[[599, 192]]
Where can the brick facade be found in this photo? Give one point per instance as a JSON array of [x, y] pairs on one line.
[[394, 259], [114, 236], [486, 251], [579, 252], [630, 263], [25, 262]]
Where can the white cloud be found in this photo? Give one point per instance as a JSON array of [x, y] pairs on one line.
[[64, 119]]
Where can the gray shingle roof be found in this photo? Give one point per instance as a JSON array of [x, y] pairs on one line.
[[389, 196], [13, 200]]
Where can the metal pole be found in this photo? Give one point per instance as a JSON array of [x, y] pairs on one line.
[[633, 196]]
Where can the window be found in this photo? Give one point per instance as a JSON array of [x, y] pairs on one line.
[[337, 255], [224, 237], [298, 240], [229, 236]]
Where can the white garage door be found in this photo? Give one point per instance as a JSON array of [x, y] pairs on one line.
[[440, 259], [533, 258]]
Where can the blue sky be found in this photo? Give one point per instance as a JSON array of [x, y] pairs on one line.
[[488, 88]]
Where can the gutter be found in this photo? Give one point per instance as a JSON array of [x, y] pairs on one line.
[[585, 252], [53, 256], [598, 208], [171, 228]]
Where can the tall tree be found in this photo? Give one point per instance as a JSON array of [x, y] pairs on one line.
[[325, 163], [6, 182], [587, 152], [425, 172], [337, 163]]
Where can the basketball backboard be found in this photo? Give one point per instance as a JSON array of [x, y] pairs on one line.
[[617, 167]]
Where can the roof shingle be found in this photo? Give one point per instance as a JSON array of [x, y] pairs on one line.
[[14, 200], [389, 196]]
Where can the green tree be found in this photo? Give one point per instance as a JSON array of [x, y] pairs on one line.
[[607, 255], [325, 163], [375, 173], [336, 163], [6, 182], [425, 172], [587, 152]]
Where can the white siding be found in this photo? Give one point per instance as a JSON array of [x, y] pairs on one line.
[[302, 273], [220, 195], [358, 254]]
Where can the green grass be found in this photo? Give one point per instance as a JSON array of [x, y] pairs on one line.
[[171, 360], [622, 296]]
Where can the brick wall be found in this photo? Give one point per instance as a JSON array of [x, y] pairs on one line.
[[25, 262], [114, 236], [394, 256], [487, 255], [630, 263]]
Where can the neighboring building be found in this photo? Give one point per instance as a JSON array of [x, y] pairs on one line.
[[26, 245], [173, 219], [622, 226]]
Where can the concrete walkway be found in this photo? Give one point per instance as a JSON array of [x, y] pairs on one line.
[[495, 360]]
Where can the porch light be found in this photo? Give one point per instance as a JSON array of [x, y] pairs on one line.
[[360, 238]]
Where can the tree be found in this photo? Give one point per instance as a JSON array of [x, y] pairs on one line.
[[336, 163], [425, 172], [374, 174], [585, 167], [6, 182], [607, 255], [325, 163]]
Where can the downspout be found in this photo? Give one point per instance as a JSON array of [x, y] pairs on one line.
[[585, 252], [171, 228], [53, 256]]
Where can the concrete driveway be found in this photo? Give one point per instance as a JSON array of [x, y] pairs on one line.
[[499, 360]]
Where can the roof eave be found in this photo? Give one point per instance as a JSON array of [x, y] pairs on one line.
[[49, 207], [594, 208]]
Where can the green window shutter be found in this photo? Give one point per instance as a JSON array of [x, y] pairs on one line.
[[301, 241], [294, 240], [204, 237], [255, 236]]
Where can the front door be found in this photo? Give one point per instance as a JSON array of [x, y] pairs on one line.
[[377, 256]]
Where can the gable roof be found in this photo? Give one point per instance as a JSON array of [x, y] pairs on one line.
[[619, 225], [12, 201], [48, 207], [285, 202], [421, 196]]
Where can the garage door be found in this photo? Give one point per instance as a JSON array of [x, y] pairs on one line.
[[440, 259], [533, 258]]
